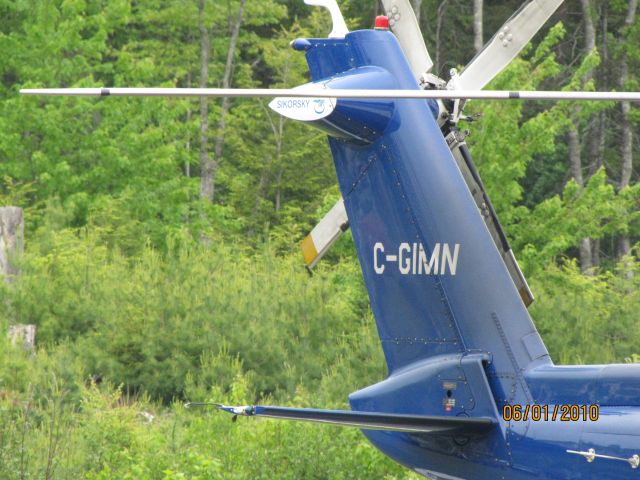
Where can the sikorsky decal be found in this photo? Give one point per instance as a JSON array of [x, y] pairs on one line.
[[303, 108]]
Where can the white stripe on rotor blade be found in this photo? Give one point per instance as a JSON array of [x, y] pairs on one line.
[[336, 93]]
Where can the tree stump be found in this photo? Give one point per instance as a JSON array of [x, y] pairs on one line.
[[11, 240], [23, 335], [11, 246]]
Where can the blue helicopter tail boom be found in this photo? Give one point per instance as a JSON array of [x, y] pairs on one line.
[[437, 283]]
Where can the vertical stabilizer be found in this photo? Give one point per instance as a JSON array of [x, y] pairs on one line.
[[438, 285]]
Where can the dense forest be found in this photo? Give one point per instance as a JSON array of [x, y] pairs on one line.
[[161, 259]]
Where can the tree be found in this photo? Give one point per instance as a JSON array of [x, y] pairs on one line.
[[626, 144], [210, 167], [478, 41]]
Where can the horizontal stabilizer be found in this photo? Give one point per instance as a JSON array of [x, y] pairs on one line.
[[371, 420]]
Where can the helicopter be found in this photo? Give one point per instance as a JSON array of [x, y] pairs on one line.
[[471, 391]]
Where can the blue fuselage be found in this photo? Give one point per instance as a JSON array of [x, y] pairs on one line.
[[456, 335]]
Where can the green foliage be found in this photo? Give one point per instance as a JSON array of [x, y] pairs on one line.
[[123, 287], [507, 139], [558, 223], [102, 433], [576, 312], [146, 321]]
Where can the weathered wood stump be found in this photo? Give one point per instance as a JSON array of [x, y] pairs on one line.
[[23, 335], [11, 240], [11, 246]]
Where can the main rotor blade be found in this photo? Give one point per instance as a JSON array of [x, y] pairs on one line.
[[506, 44], [404, 24], [337, 93]]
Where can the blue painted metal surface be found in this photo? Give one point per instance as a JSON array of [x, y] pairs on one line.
[[457, 338]]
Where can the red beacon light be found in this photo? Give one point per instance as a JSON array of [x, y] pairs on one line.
[[382, 22]]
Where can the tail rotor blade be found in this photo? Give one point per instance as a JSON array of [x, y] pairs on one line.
[[325, 234], [404, 25], [506, 44]]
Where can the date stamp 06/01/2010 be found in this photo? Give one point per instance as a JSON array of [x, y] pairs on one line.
[[545, 413]]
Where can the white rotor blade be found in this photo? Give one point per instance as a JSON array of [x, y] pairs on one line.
[[325, 234], [506, 44], [404, 25], [339, 29], [337, 93]]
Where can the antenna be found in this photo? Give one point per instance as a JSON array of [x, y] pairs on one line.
[[339, 27]]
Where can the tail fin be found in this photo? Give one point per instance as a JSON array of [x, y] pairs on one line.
[[437, 283]]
